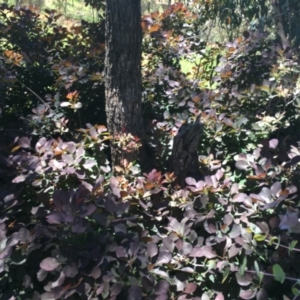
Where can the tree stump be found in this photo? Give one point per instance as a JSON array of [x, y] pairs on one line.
[[184, 154]]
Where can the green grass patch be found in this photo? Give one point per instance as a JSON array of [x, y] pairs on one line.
[[72, 9], [187, 65]]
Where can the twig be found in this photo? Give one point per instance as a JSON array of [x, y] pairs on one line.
[[282, 246], [35, 94], [272, 275]]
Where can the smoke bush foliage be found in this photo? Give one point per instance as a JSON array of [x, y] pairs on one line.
[[71, 230]]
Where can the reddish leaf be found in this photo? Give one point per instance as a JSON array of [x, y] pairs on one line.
[[190, 288], [219, 297]]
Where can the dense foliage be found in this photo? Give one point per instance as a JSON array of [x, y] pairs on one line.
[[71, 230]]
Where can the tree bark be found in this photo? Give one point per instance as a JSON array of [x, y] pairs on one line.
[[185, 161], [123, 86]]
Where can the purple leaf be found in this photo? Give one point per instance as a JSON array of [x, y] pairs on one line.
[[80, 152], [152, 249], [160, 273], [243, 280], [274, 222], [249, 294], [185, 249], [219, 174], [273, 143], [169, 244], [228, 219], [134, 248], [116, 289], [190, 288], [163, 258], [39, 145], [24, 235], [235, 231], [96, 272], [292, 189], [240, 198], [275, 188], [19, 179], [265, 195], [188, 270], [162, 297], [70, 270], [60, 280], [24, 142], [135, 293], [242, 165], [41, 274], [55, 293], [121, 252], [88, 210], [210, 226], [234, 188], [162, 287], [180, 285], [190, 181], [264, 227], [234, 250], [105, 169], [175, 226], [205, 251], [89, 164], [54, 218], [68, 159], [289, 221], [49, 264], [13, 239], [219, 297], [110, 205], [262, 295], [147, 284]]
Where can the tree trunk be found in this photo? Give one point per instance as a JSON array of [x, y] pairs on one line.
[[185, 161], [279, 24], [123, 86]]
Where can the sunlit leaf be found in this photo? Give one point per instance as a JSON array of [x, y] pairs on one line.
[[49, 264]]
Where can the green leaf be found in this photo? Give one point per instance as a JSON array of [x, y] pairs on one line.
[[211, 264], [260, 237], [225, 274], [278, 273], [260, 274], [292, 246], [295, 291], [243, 266], [273, 239]]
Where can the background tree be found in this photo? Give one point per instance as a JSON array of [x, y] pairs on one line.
[[123, 77], [281, 16]]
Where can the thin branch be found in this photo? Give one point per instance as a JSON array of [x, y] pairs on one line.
[[35, 94], [272, 275], [282, 246]]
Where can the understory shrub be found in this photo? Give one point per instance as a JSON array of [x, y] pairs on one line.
[[69, 229]]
